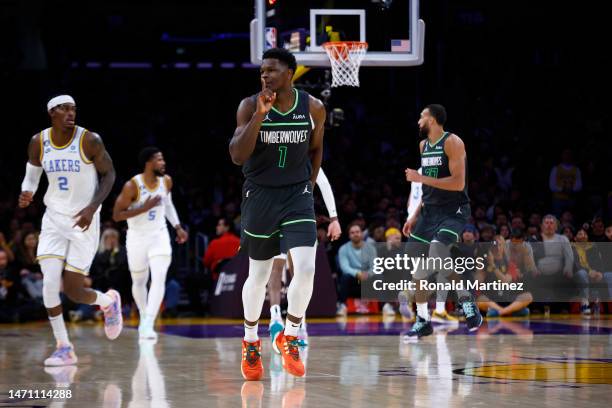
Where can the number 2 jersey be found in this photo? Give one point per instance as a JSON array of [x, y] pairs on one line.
[[154, 219], [73, 179], [281, 156]]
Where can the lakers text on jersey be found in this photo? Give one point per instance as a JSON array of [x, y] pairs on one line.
[[73, 179]]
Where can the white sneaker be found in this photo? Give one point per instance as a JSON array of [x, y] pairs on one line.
[[276, 327], [388, 310], [341, 310], [62, 356]]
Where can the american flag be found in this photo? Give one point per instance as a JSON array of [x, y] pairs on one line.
[[400, 45]]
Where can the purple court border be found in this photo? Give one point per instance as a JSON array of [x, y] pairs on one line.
[[201, 331]]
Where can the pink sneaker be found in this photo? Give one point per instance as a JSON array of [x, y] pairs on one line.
[[62, 356], [113, 320]]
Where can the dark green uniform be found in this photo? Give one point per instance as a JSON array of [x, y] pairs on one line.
[[444, 213], [277, 196]]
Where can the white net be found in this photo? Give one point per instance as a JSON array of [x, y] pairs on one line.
[[345, 58]]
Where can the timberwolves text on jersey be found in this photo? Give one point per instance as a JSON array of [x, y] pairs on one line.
[[281, 154], [435, 163]]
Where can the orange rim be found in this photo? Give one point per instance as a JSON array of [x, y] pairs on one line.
[[343, 47]]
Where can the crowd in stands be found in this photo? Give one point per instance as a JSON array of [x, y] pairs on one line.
[[544, 250]]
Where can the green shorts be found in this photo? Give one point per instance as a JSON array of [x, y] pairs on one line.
[[440, 223], [272, 213]]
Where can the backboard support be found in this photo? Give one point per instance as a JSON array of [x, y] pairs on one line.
[[313, 54]]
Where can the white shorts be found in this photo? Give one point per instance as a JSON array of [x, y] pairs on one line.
[[143, 246], [60, 240]]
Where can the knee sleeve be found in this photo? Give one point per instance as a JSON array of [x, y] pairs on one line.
[[254, 289], [159, 270], [439, 252], [52, 280], [139, 289], [140, 278], [300, 289]]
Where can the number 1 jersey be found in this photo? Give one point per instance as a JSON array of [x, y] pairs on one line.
[[281, 156]]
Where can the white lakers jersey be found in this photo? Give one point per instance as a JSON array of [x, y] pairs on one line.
[[155, 218], [73, 179]]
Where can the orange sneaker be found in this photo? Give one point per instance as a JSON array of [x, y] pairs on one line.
[[251, 367], [288, 347]]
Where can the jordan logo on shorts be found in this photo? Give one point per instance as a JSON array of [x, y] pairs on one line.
[[247, 194], [459, 211], [306, 190]]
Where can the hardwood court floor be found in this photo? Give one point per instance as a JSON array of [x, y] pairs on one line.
[[359, 362]]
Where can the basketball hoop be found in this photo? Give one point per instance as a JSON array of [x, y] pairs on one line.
[[345, 58]]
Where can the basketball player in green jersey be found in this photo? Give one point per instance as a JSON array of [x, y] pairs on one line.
[[279, 143], [444, 211]]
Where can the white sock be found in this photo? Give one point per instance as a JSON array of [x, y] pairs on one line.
[[103, 300], [291, 329], [422, 311], [275, 313], [59, 329], [159, 269], [440, 307], [250, 333], [52, 279], [139, 290]]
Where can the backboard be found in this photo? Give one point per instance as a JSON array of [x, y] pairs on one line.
[[392, 29]]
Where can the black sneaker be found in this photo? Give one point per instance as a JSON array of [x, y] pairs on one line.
[[473, 318], [419, 329]]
